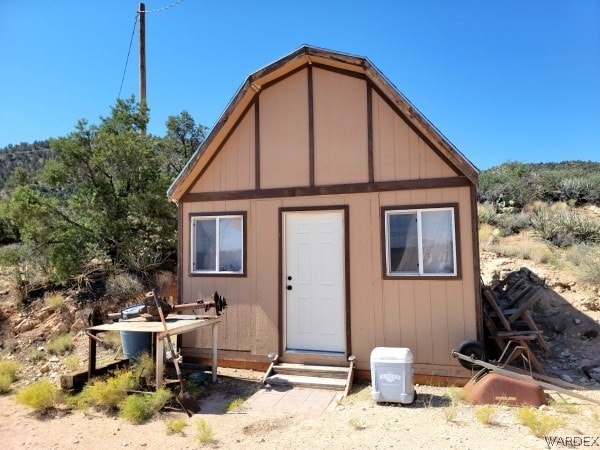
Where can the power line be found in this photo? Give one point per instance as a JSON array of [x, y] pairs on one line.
[[163, 9], [133, 34], [128, 53]]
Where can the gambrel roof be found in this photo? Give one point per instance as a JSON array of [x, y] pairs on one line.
[[291, 63]]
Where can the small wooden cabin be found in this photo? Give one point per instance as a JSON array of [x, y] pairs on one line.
[[334, 217]]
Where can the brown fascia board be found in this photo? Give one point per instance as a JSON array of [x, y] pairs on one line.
[[253, 84]]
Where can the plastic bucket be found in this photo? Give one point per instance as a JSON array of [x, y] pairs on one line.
[[134, 342]]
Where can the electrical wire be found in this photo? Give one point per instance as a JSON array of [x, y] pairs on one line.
[[133, 34], [162, 9], [128, 53]]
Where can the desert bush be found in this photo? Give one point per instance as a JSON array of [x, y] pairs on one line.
[[564, 227], [107, 393], [35, 355], [111, 340], [586, 259], [485, 414], [41, 395], [8, 374], [60, 344], [72, 362], [512, 223], [124, 286], [144, 366], [138, 408], [540, 423], [55, 302], [204, 433], [174, 426], [486, 213], [233, 405], [575, 191]]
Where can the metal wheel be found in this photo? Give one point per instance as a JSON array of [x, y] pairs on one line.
[[473, 349]]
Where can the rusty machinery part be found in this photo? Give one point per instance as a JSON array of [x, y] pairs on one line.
[[152, 303]]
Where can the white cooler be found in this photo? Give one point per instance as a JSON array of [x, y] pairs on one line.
[[392, 375]]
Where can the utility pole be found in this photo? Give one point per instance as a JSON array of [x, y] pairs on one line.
[[142, 13]]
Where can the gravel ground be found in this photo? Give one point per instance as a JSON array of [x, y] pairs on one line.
[[433, 421]]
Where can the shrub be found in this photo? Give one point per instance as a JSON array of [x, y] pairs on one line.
[[72, 362], [124, 286], [8, 375], [539, 422], [60, 344], [138, 408], [485, 414], [174, 426], [55, 302], [233, 405], [107, 393], [512, 223], [564, 228], [574, 190], [587, 260], [40, 395], [144, 366], [111, 340], [486, 213], [204, 433]]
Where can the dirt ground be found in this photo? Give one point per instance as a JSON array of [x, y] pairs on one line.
[[433, 421]]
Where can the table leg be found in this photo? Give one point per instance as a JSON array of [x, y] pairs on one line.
[[160, 351], [91, 354], [214, 353]]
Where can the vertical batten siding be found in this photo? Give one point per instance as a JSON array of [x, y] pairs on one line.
[[340, 133], [429, 316], [284, 133], [233, 166]]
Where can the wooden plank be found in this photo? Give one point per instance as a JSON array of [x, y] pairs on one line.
[[309, 382], [439, 323], [77, 381], [424, 349]]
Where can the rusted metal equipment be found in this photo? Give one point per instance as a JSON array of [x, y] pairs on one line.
[[150, 309], [189, 405], [467, 355]]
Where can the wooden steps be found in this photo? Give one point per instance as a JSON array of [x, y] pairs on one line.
[[311, 376]]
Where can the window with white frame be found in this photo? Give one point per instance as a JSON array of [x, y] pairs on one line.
[[217, 244], [420, 242]]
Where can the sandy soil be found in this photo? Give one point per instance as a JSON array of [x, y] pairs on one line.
[[354, 422]]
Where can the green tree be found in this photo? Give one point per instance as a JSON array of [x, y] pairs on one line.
[[182, 139], [102, 196]]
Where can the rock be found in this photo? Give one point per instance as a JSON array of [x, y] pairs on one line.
[[78, 326], [45, 368], [566, 378], [53, 359], [59, 329], [589, 334], [565, 353], [26, 325], [576, 321]]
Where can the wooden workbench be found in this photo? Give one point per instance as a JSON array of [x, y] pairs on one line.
[[176, 324]]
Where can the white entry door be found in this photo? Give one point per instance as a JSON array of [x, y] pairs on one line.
[[314, 281]]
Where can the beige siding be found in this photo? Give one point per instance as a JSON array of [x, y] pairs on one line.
[[233, 166], [340, 130], [284, 145], [398, 152], [429, 316]]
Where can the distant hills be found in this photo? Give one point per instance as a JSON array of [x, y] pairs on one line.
[[30, 157]]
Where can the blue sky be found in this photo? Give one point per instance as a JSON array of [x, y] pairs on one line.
[[510, 80]]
